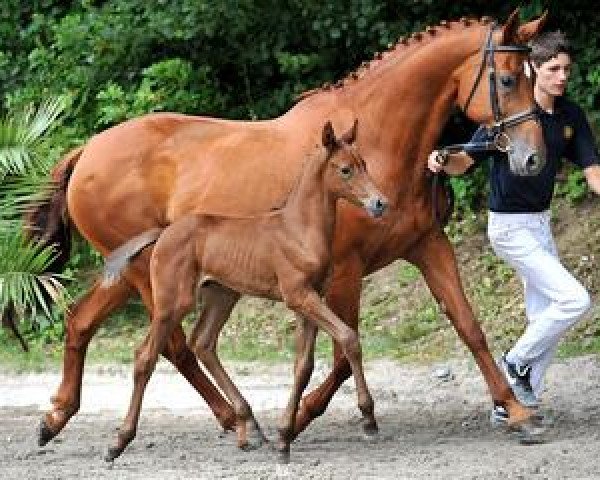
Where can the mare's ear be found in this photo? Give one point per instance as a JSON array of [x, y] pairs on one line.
[[530, 30], [350, 136], [510, 28], [329, 140]]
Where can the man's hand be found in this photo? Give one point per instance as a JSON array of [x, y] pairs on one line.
[[436, 160]]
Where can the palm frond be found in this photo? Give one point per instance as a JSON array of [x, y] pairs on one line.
[[23, 281], [19, 194], [20, 133]]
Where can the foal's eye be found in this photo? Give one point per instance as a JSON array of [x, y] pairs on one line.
[[346, 172], [508, 81]]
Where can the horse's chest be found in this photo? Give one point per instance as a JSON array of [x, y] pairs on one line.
[[403, 231]]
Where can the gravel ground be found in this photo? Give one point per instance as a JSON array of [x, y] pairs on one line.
[[431, 426]]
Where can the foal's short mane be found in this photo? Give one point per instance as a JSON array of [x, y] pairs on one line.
[[402, 45]]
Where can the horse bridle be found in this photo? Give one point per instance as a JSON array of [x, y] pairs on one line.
[[501, 141], [497, 131]]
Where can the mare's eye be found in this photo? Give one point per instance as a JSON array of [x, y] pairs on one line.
[[508, 81], [346, 172]]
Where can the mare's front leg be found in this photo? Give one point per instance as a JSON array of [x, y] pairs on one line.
[[81, 323], [435, 258], [343, 297], [306, 333], [218, 303]]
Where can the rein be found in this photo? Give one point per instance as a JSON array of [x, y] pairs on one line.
[[497, 130]]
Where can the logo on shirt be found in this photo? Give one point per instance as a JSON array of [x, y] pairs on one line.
[[568, 132]]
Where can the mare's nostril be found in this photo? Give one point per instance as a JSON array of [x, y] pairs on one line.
[[532, 160], [379, 207]]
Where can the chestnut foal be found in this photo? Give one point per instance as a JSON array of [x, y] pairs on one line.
[[282, 255]]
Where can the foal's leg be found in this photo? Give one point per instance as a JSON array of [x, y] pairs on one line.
[[306, 333], [309, 304], [435, 258], [81, 323], [171, 303], [180, 355], [218, 303], [343, 297]]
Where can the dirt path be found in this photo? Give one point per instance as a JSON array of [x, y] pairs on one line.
[[430, 428]]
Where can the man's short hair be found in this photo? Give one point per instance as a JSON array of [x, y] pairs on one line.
[[547, 46]]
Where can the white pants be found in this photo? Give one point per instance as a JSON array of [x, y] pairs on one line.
[[554, 299]]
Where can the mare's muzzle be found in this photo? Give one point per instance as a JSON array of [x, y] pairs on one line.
[[523, 160], [376, 206]]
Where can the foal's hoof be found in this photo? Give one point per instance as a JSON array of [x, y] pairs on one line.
[[252, 442], [44, 433], [283, 456], [112, 453], [282, 450], [254, 437], [370, 432]]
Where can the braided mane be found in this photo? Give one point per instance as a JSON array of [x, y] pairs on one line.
[[402, 45]]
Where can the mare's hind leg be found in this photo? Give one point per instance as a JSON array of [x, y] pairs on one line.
[[180, 355], [435, 258], [306, 333], [218, 303], [81, 324], [343, 297]]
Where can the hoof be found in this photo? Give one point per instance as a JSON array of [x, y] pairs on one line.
[[113, 453], [253, 442], [530, 432], [44, 433], [370, 430], [283, 457], [255, 438], [282, 450]]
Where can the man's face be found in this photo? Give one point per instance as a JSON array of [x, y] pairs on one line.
[[552, 76]]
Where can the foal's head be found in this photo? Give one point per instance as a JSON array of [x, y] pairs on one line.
[[493, 89], [346, 173]]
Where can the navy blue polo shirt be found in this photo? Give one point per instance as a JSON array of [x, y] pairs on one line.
[[567, 134]]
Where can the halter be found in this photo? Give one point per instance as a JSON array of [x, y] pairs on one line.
[[501, 141]]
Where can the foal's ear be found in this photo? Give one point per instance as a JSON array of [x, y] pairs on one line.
[[530, 30], [329, 140], [350, 136]]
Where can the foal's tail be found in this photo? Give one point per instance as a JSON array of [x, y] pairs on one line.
[[119, 259], [47, 223]]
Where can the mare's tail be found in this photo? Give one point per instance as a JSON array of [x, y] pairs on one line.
[[119, 258], [47, 223]]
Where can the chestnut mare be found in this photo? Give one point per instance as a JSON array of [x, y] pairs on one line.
[[281, 255], [147, 172]]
